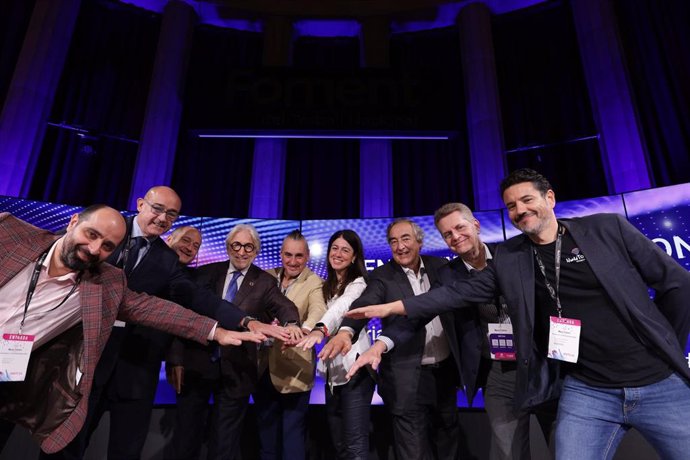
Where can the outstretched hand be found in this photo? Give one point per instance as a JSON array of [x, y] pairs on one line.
[[377, 311], [309, 341], [371, 357], [340, 344], [225, 337]]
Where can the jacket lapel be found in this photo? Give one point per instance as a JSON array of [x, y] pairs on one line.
[[91, 297], [247, 285]]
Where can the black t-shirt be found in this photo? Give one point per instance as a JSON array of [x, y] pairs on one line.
[[611, 353]]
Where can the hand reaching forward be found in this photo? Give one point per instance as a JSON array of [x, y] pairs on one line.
[[377, 311], [340, 343], [308, 342], [371, 357], [225, 337], [269, 330]]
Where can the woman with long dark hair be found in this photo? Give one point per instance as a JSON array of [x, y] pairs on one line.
[[347, 401]]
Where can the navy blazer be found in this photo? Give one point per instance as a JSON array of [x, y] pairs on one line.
[[400, 368], [625, 262], [135, 352]]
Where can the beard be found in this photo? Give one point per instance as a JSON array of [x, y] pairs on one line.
[[69, 257]]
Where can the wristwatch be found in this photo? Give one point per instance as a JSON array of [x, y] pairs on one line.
[[246, 320]]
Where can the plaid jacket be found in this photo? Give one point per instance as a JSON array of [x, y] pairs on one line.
[[104, 298]]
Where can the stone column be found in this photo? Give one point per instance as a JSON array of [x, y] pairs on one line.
[[620, 136], [268, 170], [31, 92], [375, 156], [159, 133], [484, 128]]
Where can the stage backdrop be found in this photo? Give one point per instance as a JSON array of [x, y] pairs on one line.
[[662, 214]]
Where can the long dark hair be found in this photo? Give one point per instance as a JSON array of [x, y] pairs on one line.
[[354, 271]]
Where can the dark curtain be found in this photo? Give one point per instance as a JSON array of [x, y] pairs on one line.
[[656, 39], [321, 179], [326, 52], [427, 174], [103, 91], [14, 21], [544, 98], [322, 175], [213, 176]]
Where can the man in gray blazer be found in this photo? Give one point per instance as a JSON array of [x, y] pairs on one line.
[[585, 326]]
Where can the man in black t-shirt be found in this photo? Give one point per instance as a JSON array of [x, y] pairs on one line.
[[586, 328]]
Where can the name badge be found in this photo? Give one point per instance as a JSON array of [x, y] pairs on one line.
[[501, 345], [15, 350], [564, 339]]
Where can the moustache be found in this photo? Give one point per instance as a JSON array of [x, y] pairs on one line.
[[523, 215]]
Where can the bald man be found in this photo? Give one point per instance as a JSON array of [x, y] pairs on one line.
[[127, 374], [185, 241], [39, 271]]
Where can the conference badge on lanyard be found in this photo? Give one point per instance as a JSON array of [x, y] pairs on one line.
[[564, 339], [501, 345], [15, 350]]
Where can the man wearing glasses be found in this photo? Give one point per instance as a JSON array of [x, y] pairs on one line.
[[126, 377], [230, 375]]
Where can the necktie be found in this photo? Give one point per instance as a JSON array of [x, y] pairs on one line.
[[229, 296], [133, 254], [232, 287]]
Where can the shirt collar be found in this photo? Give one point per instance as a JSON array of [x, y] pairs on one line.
[[488, 257], [232, 269], [409, 271], [48, 260], [136, 231]]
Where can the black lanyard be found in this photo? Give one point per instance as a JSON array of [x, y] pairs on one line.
[[553, 292], [34, 282]]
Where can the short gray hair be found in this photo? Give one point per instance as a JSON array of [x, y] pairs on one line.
[[416, 229], [450, 208], [252, 232]]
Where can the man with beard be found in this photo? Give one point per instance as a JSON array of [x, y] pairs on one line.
[[127, 375], [56, 290], [585, 327]]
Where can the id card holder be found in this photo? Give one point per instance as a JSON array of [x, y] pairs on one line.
[[15, 351], [564, 339], [501, 344]]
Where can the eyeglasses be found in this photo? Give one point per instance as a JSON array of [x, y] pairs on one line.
[[158, 209], [248, 247]]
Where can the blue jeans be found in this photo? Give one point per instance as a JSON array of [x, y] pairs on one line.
[[592, 421]]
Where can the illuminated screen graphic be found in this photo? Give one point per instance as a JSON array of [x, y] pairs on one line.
[[662, 214]]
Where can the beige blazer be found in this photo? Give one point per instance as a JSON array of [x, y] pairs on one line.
[[292, 371]]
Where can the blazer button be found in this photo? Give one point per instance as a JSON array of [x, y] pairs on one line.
[[524, 362]]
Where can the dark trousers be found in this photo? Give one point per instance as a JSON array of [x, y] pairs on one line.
[[224, 427], [347, 409], [429, 428], [281, 420]]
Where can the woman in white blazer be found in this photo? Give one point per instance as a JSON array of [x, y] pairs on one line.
[[348, 402]]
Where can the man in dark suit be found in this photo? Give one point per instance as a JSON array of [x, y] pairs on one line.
[[586, 328], [418, 378], [232, 375], [127, 373], [91, 297]]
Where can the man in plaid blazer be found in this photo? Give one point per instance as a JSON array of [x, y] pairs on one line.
[[99, 297]]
